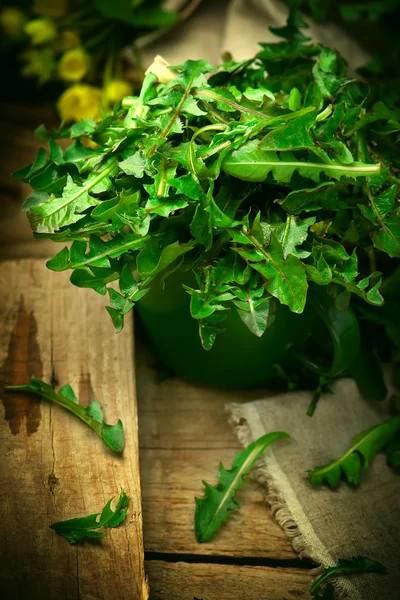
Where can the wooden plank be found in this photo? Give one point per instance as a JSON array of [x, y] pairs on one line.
[[182, 581], [171, 480], [53, 466], [19, 147], [184, 434]]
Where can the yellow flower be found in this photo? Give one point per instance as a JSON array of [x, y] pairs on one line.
[[116, 90], [41, 31], [39, 63], [73, 65], [160, 68], [88, 143], [80, 101], [67, 40], [12, 21]]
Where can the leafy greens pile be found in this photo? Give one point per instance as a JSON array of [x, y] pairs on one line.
[[264, 178]]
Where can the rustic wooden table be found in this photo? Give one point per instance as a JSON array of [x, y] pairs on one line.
[[52, 468]]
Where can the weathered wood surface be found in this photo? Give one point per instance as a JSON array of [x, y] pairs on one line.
[[53, 467], [18, 148], [184, 434], [182, 581]]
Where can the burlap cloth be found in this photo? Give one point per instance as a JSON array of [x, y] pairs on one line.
[[322, 524]]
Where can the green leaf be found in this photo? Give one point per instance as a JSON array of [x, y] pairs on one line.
[[285, 278], [68, 208], [85, 127], [218, 502], [78, 529], [99, 253], [152, 259], [324, 195], [112, 435], [362, 450], [96, 279], [252, 164], [136, 165], [293, 234], [136, 14], [295, 135], [357, 564], [254, 312]]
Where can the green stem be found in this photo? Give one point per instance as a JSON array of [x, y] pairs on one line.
[[214, 127], [128, 102], [286, 232], [46, 391], [262, 250], [313, 404], [127, 246], [170, 123]]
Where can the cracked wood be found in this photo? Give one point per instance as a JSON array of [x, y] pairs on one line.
[[53, 467]]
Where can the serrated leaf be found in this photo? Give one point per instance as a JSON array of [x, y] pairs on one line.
[[136, 165], [75, 530], [252, 164], [385, 214], [97, 279], [292, 234], [362, 450], [218, 502], [153, 259], [68, 208], [285, 278], [99, 253], [295, 135], [112, 435], [357, 564]]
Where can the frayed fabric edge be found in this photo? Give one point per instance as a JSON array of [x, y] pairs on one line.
[[279, 507]]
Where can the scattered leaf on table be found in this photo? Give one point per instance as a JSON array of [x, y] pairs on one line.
[[74, 530], [362, 450], [218, 502], [112, 435]]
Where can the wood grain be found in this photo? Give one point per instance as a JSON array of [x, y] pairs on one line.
[[182, 581], [18, 148], [53, 467], [184, 434], [52, 329]]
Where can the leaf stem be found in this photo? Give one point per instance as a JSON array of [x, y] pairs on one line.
[[170, 123], [51, 395]]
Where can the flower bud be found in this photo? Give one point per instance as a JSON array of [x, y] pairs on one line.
[[41, 31], [74, 65], [12, 21], [67, 40], [80, 101]]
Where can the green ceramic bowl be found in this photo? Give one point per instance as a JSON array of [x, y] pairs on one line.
[[239, 358]]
